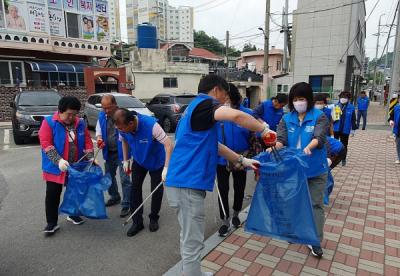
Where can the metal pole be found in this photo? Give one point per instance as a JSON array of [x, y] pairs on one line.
[[266, 48], [285, 25], [376, 55], [394, 81], [226, 55]]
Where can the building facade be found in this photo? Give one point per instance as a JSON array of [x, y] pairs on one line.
[[173, 24], [115, 22], [254, 61], [328, 46]]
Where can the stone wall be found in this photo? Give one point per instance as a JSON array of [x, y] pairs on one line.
[[7, 95]]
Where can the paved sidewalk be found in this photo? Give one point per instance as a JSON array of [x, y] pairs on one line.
[[362, 229]]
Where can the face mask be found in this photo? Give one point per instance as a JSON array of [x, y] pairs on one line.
[[344, 100], [300, 106], [319, 106]]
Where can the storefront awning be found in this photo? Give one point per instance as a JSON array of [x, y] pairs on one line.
[[56, 67]]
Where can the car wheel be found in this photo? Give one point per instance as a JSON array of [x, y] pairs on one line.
[[17, 139], [167, 125]]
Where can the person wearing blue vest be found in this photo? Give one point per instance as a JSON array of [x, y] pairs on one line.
[[346, 125], [64, 139], [271, 111], [108, 140], [362, 107], [305, 128], [321, 102], [335, 151], [395, 124], [237, 139], [151, 151], [194, 163]]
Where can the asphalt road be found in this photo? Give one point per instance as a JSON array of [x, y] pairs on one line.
[[98, 247]]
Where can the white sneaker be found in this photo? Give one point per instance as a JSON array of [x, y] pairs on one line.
[[397, 162]]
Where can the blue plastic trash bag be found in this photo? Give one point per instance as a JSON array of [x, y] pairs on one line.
[[328, 188], [281, 206], [84, 191]]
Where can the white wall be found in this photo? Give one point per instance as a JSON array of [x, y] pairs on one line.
[[147, 85]]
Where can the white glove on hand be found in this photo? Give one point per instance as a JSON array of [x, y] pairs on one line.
[[126, 164], [265, 130], [391, 123], [329, 162], [164, 174], [63, 165], [250, 163]]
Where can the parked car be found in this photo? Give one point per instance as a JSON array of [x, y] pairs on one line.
[[168, 108], [93, 106], [28, 111]]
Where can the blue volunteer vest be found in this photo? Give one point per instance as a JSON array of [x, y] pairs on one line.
[[145, 150], [236, 137], [362, 103], [348, 111], [194, 160], [335, 146], [328, 113], [317, 163], [59, 140], [103, 126], [271, 115], [396, 111]]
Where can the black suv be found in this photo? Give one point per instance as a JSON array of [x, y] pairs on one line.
[[168, 108], [28, 111]]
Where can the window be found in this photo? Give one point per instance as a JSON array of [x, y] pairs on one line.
[[278, 65], [4, 73], [72, 79], [53, 79], [81, 80], [321, 83], [73, 25], [285, 88], [170, 83]]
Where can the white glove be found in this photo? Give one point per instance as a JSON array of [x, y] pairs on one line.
[[265, 130], [63, 165], [164, 174], [126, 164], [250, 163], [329, 162], [391, 123]]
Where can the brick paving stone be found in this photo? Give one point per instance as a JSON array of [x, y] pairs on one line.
[[370, 266], [222, 259], [266, 271], [374, 231], [213, 255], [392, 261], [236, 273], [229, 245], [295, 269], [375, 218], [349, 250], [294, 256], [380, 248], [352, 234], [224, 272], [241, 252], [253, 269], [251, 255], [225, 250], [341, 269], [238, 264], [310, 271], [282, 244], [392, 243], [332, 237], [334, 222], [355, 220], [210, 265], [282, 266], [251, 245], [267, 260]]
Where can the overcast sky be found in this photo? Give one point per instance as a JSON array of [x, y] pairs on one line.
[[243, 17]]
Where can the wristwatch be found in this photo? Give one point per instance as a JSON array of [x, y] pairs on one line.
[[240, 159]]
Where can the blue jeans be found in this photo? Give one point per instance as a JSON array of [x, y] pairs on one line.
[[111, 166], [363, 114], [398, 147]]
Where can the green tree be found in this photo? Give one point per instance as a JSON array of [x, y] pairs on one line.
[[212, 44], [248, 47]]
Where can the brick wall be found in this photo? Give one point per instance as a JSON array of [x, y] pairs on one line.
[[7, 94]]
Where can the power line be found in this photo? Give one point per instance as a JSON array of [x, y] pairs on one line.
[[390, 30], [322, 10], [361, 29], [212, 7]]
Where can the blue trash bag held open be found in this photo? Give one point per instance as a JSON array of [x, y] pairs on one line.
[[84, 193], [281, 206], [328, 188]]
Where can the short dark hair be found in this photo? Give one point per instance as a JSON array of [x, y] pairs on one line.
[[301, 89], [321, 97], [363, 92], [282, 98], [69, 102], [207, 83], [234, 95], [345, 94], [124, 115]]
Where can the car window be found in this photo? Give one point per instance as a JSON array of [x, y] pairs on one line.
[[184, 99], [156, 100], [91, 100], [97, 100], [129, 102], [39, 99], [164, 100]]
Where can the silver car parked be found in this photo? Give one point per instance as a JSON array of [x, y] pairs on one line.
[[93, 106]]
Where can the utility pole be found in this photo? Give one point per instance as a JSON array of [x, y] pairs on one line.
[[285, 27], [376, 54], [266, 49], [226, 55], [394, 81]]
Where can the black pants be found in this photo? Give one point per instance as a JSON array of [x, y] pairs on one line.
[[138, 176], [239, 184], [53, 194], [336, 159], [344, 138]]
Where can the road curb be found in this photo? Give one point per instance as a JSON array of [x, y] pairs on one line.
[[212, 242]]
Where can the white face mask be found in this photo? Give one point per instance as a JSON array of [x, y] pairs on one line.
[[319, 106], [300, 106], [344, 100]]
